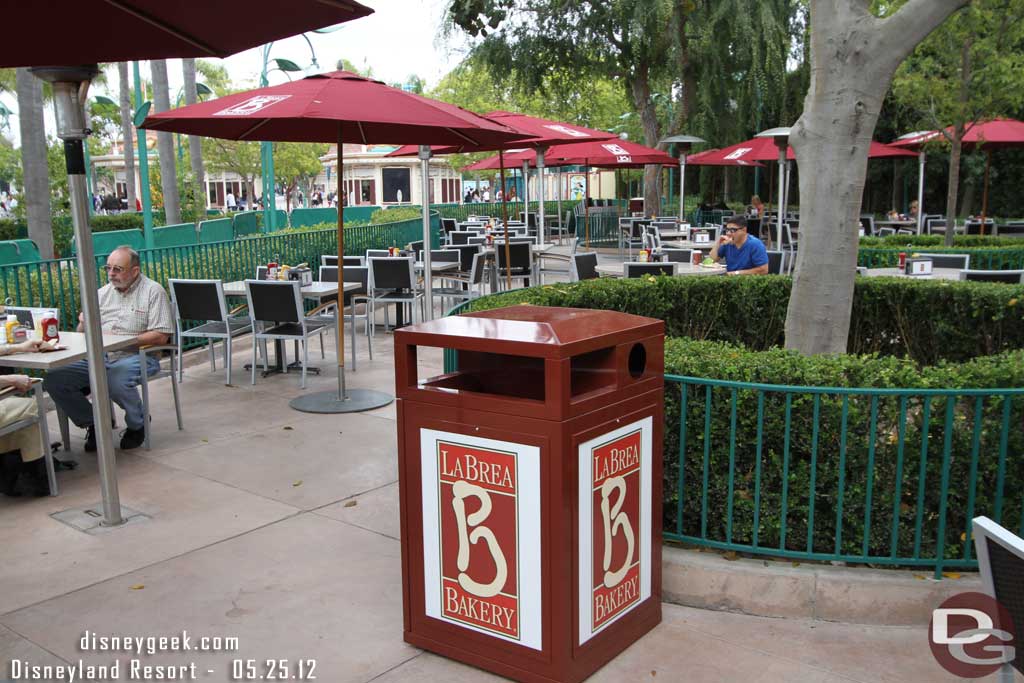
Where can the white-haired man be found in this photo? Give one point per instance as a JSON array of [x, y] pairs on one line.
[[130, 303]]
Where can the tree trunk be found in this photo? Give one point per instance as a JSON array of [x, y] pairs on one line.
[[853, 58], [195, 148], [165, 145], [641, 91], [36, 190], [953, 188], [127, 134]]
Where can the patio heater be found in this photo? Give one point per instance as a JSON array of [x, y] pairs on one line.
[[920, 177], [683, 143], [781, 139], [70, 90]]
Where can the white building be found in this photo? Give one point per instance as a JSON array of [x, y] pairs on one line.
[[372, 178]]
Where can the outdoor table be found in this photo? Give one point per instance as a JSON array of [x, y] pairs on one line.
[[315, 290], [936, 274], [75, 351], [619, 269], [896, 224], [674, 234], [438, 267], [687, 244]]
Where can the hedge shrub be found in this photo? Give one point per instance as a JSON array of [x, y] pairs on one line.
[[923, 320], [731, 362]]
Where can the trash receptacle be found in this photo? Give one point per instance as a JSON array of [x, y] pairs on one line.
[[531, 483]]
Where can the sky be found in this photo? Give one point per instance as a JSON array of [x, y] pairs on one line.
[[400, 38]]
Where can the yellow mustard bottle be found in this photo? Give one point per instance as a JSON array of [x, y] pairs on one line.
[[9, 326]]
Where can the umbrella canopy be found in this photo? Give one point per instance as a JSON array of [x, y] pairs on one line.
[[310, 110], [609, 154], [989, 134], [711, 157], [154, 29], [513, 158]]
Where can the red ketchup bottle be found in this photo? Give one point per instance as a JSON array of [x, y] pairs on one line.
[[51, 328]]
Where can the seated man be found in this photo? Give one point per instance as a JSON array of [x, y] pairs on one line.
[[743, 254], [130, 303]]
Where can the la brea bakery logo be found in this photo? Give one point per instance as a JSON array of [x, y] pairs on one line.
[[479, 537], [251, 105]]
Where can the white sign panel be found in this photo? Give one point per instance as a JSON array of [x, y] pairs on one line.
[[251, 105], [615, 485], [481, 535]]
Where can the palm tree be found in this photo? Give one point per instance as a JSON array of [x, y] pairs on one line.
[[165, 145], [195, 148], [36, 190], [126, 133]]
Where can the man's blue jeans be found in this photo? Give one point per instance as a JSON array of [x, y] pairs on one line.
[[65, 385]]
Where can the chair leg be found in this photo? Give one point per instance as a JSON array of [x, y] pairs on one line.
[[352, 333], [322, 353], [305, 359], [181, 366], [213, 355], [65, 429], [227, 360], [145, 399], [255, 346], [177, 400], [44, 435], [369, 337]]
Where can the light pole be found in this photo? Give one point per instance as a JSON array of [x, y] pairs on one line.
[[267, 148], [683, 143]]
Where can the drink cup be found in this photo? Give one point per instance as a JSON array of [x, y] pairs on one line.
[[903, 260], [697, 257]]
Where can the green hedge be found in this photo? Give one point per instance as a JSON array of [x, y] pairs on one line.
[[924, 320], [987, 253], [968, 241], [731, 362]]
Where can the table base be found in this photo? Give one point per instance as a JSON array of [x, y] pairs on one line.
[[357, 400]]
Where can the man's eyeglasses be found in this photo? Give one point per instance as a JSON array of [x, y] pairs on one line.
[[729, 231], [116, 270]]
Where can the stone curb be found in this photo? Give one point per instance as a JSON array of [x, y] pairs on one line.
[[771, 588]]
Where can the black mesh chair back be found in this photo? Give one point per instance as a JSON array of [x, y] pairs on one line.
[[449, 225], [1001, 564], [642, 269], [461, 237], [328, 260], [1012, 277], [261, 272], [516, 240], [417, 248], [444, 255], [476, 271], [638, 229], [678, 255], [466, 252], [959, 261], [776, 262], [585, 265], [885, 232], [358, 274], [274, 301], [377, 253], [868, 223], [479, 239], [520, 257], [391, 273], [198, 299]]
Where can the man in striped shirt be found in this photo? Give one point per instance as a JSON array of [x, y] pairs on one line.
[[130, 303]]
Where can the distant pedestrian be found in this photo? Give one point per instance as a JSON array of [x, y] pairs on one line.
[[229, 201]]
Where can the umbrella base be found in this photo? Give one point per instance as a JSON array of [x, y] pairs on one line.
[[326, 402]]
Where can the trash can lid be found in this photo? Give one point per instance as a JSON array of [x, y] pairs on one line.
[[527, 330]]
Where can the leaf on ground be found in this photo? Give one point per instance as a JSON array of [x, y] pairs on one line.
[[287, 429], [796, 564], [298, 483], [950, 575], [963, 535], [138, 586], [205, 440], [919, 577], [351, 503], [731, 555]]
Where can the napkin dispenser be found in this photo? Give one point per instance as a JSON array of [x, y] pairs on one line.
[[701, 237], [301, 273], [918, 266]]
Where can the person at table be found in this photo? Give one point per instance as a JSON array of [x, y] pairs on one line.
[[913, 210], [21, 452], [130, 303], [756, 207], [743, 254]]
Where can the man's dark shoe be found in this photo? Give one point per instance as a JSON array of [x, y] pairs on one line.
[[90, 440], [132, 438]]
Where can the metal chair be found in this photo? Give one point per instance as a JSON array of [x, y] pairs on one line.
[[776, 262], [350, 302], [327, 260], [959, 261], [634, 269], [460, 237], [392, 282], [583, 267], [471, 286], [377, 253], [156, 351], [1012, 277], [38, 419], [1001, 565], [886, 232], [519, 262], [203, 300], [276, 313]]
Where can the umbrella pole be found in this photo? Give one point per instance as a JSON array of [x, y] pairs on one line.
[[920, 192], [682, 187], [340, 323], [504, 220], [428, 279], [765, 221], [984, 194], [586, 206], [540, 196], [558, 198], [344, 401]]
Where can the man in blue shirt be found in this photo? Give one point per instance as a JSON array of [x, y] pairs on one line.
[[743, 254]]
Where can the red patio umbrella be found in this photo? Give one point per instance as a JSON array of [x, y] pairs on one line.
[[126, 30], [997, 133], [711, 157], [337, 107], [144, 29]]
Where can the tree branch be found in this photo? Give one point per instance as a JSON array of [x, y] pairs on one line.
[[898, 35]]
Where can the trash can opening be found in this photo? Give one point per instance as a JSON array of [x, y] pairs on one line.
[[637, 360]]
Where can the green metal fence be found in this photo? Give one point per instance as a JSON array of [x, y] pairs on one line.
[[875, 476], [54, 283], [886, 477]]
